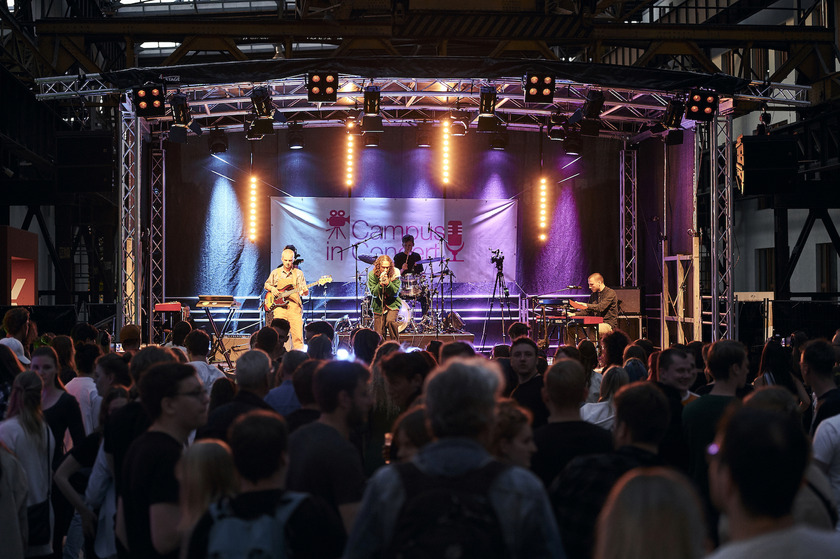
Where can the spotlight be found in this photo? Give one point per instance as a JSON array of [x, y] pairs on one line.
[[594, 104], [487, 101], [672, 118], [295, 135], [372, 100], [499, 140], [539, 88], [572, 144], [459, 128], [488, 123], [371, 124], [263, 108], [181, 119], [353, 126], [371, 140], [252, 134], [149, 100], [557, 126], [702, 105], [459, 122], [217, 141], [424, 135], [322, 87]]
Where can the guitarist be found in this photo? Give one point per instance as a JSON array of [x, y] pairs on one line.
[[281, 278]]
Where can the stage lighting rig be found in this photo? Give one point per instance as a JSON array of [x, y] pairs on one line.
[[262, 107], [181, 119], [217, 141], [499, 140], [539, 88], [149, 100], [322, 87], [295, 135], [557, 126], [702, 105], [424, 135], [672, 118], [594, 104], [487, 101]]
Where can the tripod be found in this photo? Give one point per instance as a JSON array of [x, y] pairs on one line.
[[503, 294]]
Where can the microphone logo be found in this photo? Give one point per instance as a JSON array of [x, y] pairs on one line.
[[455, 238]]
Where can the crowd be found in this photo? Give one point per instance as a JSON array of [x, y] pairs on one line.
[[607, 452]]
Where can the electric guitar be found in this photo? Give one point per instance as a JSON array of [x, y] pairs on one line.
[[282, 300]]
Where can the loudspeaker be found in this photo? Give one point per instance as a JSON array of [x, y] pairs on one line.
[[236, 344], [629, 300], [765, 165], [631, 325]]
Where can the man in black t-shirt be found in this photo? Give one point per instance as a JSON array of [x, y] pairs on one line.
[[528, 391], [816, 363], [603, 302], [258, 442], [148, 516]]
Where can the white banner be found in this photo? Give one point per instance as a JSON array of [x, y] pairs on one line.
[[324, 231]]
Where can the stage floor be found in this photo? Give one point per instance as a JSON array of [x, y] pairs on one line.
[[420, 340]]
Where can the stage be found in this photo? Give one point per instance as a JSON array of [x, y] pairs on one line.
[[420, 340]]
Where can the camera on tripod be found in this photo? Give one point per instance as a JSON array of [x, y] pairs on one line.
[[497, 258]]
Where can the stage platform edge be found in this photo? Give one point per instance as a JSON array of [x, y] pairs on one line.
[[420, 340]]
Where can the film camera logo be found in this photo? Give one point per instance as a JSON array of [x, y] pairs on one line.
[[336, 221]]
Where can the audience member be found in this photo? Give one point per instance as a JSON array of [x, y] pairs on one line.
[[636, 369], [410, 434], [198, 348], [675, 369], [110, 369], [319, 346], [816, 364], [130, 338], [241, 525], [14, 490], [205, 475], [513, 438], [566, 435], [83, 387], [221, 393], [282, 327], [322, 461], [612, 348], [267, 340], [302, 382], [528, 391], [581, 489], [758, 499], [66, 353], [404, 376], [651, 513], [253, 370], [85, 333], [403, 503], [282, 397], [319, 327], [148, 515], [500, 350], [517, 330], [16, 325], [588, 357], [456, 349], [634, 351], [602, 413], [365, 342], [10, 367], [179, 335], [434, 347]]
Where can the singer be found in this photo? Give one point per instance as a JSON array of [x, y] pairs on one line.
[[603, 302], [280, 278], [384, 284]]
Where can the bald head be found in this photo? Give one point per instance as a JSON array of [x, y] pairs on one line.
[[288, 257]]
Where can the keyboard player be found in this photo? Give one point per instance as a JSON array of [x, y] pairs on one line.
[[602, 302]]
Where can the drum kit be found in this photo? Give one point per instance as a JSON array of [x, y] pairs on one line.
[[419, 292]]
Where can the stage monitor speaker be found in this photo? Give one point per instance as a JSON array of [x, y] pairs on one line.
[[236, 344], [629, 300], [631, 325], [55, 319], [766, 165]]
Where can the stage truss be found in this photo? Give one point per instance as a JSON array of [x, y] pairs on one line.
[[405, 102]]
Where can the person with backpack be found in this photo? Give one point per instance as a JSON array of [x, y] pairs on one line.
[[453, 499], [265, 520]]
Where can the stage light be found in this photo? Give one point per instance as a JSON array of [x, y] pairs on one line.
[[539, 88], [263, 109], [371, 124], [295, 135], [542, 206], [445, 150], [350, 159], [488, 124], [252, 218], [487, 101], [557, 126], [424, 135], [181, 119], [672, 117], [251, 134], [322, 87], [371, 140], [372, 98], [594, 104], [353, 126], [702, 105], [149, 99], [499, 140], [572, 143], [217, 141]]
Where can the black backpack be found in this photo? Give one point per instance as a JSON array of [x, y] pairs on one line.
[[448, 517]]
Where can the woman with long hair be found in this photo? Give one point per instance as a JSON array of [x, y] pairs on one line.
[[651, 513], [10, 367], [775, 369], [66, 352], [26, 434], [384, 284], [602, 413]]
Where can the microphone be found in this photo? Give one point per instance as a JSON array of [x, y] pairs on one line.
[[573, 287]]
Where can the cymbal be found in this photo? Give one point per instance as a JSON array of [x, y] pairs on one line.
[[436, 259], [367, 258]]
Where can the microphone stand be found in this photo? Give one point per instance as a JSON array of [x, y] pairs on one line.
[[356, 263], [440, 283]]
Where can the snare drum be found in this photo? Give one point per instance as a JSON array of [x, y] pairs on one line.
[[411, 285]]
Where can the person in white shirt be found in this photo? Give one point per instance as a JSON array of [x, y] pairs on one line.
[[83, 386]]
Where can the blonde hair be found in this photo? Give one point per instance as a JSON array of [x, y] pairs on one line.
[[206, 474], [651, 513], [25, 402]]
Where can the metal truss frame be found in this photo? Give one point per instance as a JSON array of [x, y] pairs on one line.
[[157, 239], [722, 266], [129, 307], [627, 215]]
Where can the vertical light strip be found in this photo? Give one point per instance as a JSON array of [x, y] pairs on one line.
[[446, 133], [252, 211], [351, 157], [543, 208]]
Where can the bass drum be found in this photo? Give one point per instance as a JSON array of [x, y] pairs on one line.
[[410, 285], [403, 317]]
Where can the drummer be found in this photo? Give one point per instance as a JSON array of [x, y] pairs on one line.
[[407, 262]]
